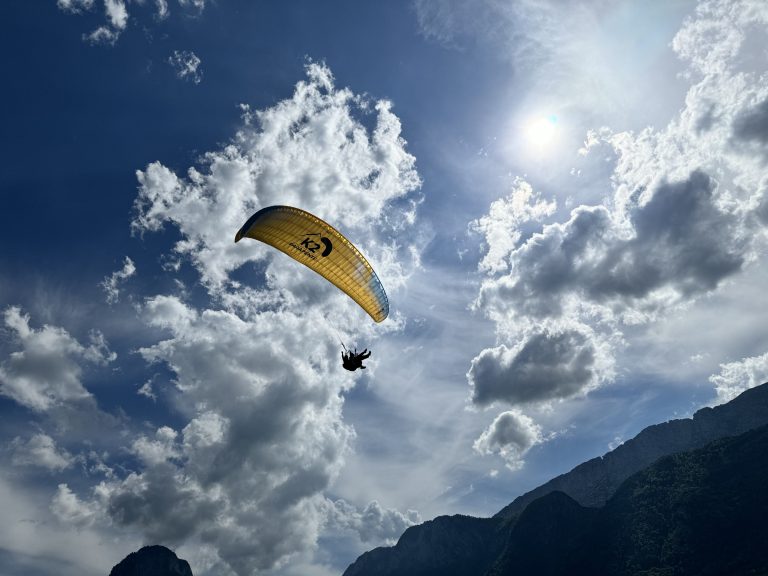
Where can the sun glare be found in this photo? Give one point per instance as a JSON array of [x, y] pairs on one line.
[[541, 131]]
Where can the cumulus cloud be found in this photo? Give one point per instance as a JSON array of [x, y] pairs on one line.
[[686, 215], [310, 151], [257, 380], [373, 524], [511, 435], [736, 377], [68, 508], [187, 65], [40, 451], [677, 244], [158, 450], [751, 127], [265, 439], [111, 283], [47, 372], [503, 226], [547, 366]]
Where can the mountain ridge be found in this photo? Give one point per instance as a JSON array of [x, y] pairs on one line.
[[591, 483], [588, 485]]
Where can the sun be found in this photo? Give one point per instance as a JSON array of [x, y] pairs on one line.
[[541, 131]]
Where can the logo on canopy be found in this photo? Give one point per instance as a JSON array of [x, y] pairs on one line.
[[309, 243]]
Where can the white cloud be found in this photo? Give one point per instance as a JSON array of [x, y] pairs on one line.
[[736, 377], [655, 253], [546, 366], [503, 225], [102, 35], [187, 65], [309, 151], [162, 9], [162, 449], [34, 542], [265, 439], [68, 508], [40, 450], [511, 435], [197, 4], [74, 6], [373, 524], [117, 20], [712, 39], [46, 372], [111, 283], [146, 390], [116, 15], [686, 217], [256, 369]]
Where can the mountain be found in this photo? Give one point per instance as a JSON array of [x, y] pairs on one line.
[[700, 512], [446, 546], [152, 561], [594, 481], [439, 546]]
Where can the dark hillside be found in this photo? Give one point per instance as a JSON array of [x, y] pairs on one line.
[[548, 535], [594, 481]]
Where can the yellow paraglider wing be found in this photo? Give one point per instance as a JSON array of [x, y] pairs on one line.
[[319, 246]]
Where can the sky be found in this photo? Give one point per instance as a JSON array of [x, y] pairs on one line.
[[567, 204]]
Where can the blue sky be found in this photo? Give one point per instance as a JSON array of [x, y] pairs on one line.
[[566, 204]]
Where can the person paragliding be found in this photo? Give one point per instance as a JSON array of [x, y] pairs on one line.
[[320, 247], [354, 360]]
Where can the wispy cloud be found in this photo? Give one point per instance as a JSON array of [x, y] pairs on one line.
[[74, 6], [117, 16], [187, 65], [40, 450], [46, 372], [111, 283]]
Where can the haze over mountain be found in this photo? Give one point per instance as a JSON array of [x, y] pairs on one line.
[[694, 474]]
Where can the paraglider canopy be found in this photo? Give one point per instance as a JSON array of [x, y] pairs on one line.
[[319, 246]]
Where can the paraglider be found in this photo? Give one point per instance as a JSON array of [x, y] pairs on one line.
[[352, 360], [319, 246]]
